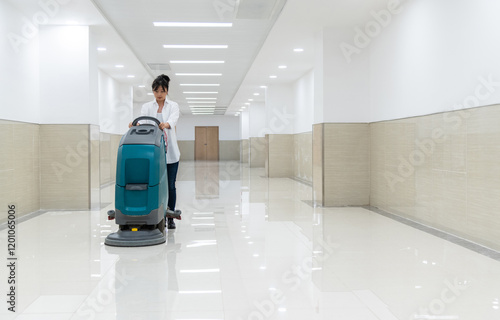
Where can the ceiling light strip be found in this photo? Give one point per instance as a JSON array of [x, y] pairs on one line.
[[196, 61], [202, 92], [195, 46], [200, 102], [192, 24], [199, 74]]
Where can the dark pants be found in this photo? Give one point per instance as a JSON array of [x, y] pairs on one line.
[[172, 175]]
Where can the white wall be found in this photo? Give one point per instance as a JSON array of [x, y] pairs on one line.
[[279, 109], [229, 126], [318, 78], [346, 91], [245, 125], [64, 74], [303, 95], [432, 56], [19, 75], [257, 121], [115, 105]]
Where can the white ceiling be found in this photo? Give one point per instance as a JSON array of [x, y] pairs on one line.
[[262, 37], [133, 20]]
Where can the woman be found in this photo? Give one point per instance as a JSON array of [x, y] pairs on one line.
[[167, 112]]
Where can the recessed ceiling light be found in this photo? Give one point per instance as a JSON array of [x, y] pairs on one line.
[[202, 92], [198, 74], [130, 76], [101, 49], [119, 66], [142, 86], [194, 61], [192, 24], [200, 84], [282, 67], [200, 102], [256, 94], [201, 98], [273, 77], [298, 50], [195, 46], [263, 87], [250, 99], [247, 103]]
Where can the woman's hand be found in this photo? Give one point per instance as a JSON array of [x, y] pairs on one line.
[[130, 124], [164, 125]]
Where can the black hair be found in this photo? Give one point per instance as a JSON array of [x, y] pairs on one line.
[[161, 81]]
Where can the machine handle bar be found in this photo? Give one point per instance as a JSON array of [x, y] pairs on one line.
[[134, 123]]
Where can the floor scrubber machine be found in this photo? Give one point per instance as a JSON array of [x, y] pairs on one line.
[[141, 190]]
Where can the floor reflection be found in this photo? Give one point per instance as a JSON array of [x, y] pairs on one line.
[[207, 179]]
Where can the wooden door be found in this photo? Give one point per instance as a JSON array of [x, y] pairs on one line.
[[206, 143]]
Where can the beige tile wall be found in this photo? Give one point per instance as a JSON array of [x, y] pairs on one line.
[[229, 150], [186, 147], [19, 167], [105, 158], [346, 164], [258, 151], [317, 163], [244, 150], [442, 170], [64, 165], [95, 177], [302, 156], [114, 145], [280, 155]]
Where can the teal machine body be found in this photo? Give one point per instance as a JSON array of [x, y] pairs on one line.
[[141, 190]]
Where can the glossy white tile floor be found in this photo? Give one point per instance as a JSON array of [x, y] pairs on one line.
[[248, 248]]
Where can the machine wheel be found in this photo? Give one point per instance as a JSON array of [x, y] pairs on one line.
[[161, 226]]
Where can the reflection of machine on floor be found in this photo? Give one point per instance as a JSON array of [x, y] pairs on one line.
[[145, 282], [141, 191]]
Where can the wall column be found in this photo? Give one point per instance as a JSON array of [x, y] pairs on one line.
[[341, 168]]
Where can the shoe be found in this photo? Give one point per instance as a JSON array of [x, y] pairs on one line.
[[173, 214], [171, 224]]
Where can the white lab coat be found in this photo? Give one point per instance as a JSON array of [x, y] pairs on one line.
[[170, 113]]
